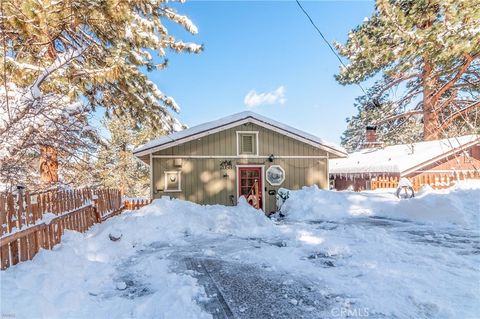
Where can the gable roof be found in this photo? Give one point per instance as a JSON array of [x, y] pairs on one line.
[[403, 159], [231, 121]]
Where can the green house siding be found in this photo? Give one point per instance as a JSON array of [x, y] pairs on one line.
[[225, 143], [204, 181]]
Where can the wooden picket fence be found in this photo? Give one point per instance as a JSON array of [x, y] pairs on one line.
[[136, 203], [384, 182], [442, 181], [434, 180], [32, 221]]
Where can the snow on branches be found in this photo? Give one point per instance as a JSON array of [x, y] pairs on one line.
[[429, 55], [89, 55], [31, 120]]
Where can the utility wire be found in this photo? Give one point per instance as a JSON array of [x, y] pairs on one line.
[[339, 59], [325, 40]]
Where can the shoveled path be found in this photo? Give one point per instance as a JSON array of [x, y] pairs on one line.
[[234, 288], [238, 290]]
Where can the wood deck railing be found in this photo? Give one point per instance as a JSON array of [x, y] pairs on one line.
[[30, 222]]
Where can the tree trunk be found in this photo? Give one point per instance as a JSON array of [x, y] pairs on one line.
[[430, 115], [48, 164], [123, 170], [122, 189]]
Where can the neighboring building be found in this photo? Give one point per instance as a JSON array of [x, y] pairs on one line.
[[437, 163], [245, 154]]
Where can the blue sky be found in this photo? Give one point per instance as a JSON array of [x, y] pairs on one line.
[[266, 46]]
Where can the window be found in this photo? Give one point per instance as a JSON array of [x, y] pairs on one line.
[[173, 181], [247, 143]]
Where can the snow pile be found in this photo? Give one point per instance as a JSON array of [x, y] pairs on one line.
[[89, 275], [171, 219], [385, 257], [80, 278], [389, 258], [455, 205]]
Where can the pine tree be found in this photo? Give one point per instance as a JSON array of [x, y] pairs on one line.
[[67, 58], [116, 166], [82, 172], [102, 46], [373, 110], [428, 53], [29, 125]]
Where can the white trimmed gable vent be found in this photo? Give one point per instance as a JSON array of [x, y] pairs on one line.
[[247, 143]]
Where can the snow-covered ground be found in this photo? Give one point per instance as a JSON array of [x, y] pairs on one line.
[[335, 254]]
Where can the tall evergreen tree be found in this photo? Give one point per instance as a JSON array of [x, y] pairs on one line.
[[371, 111], [83, 54], [116, 165], [427, 52]]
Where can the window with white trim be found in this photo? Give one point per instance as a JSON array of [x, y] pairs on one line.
[[173, 181], [247, 143]]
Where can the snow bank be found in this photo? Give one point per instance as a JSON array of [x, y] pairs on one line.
[[457, 205], [90, 276], [171, 219], [394, 269], [80, 279], [388, 268]]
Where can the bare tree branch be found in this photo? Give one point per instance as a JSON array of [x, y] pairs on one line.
[[461, 112]]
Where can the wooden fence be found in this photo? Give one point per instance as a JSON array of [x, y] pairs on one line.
[[32, 221], [441, 181], [434, 180], [132, 204], [384, 182]]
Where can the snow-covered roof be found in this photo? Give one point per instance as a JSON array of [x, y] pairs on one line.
[[231, 121], [400, 158]]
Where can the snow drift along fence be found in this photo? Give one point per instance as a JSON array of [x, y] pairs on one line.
[[32, 221]]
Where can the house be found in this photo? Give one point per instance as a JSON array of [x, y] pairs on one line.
[[438, 163], [245, 154]]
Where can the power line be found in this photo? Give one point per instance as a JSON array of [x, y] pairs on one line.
[[325, 39]]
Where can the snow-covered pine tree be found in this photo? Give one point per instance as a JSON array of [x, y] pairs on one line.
[[116, 166], [372, 110], [93, 52], [428, 52], [30, 124], [82, 172]]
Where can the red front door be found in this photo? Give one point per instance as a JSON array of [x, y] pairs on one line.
[[250, 185]]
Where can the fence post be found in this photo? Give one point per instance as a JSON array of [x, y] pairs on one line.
[[96, 210]]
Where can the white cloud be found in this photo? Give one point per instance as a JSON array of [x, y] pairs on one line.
[[277, 96]]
